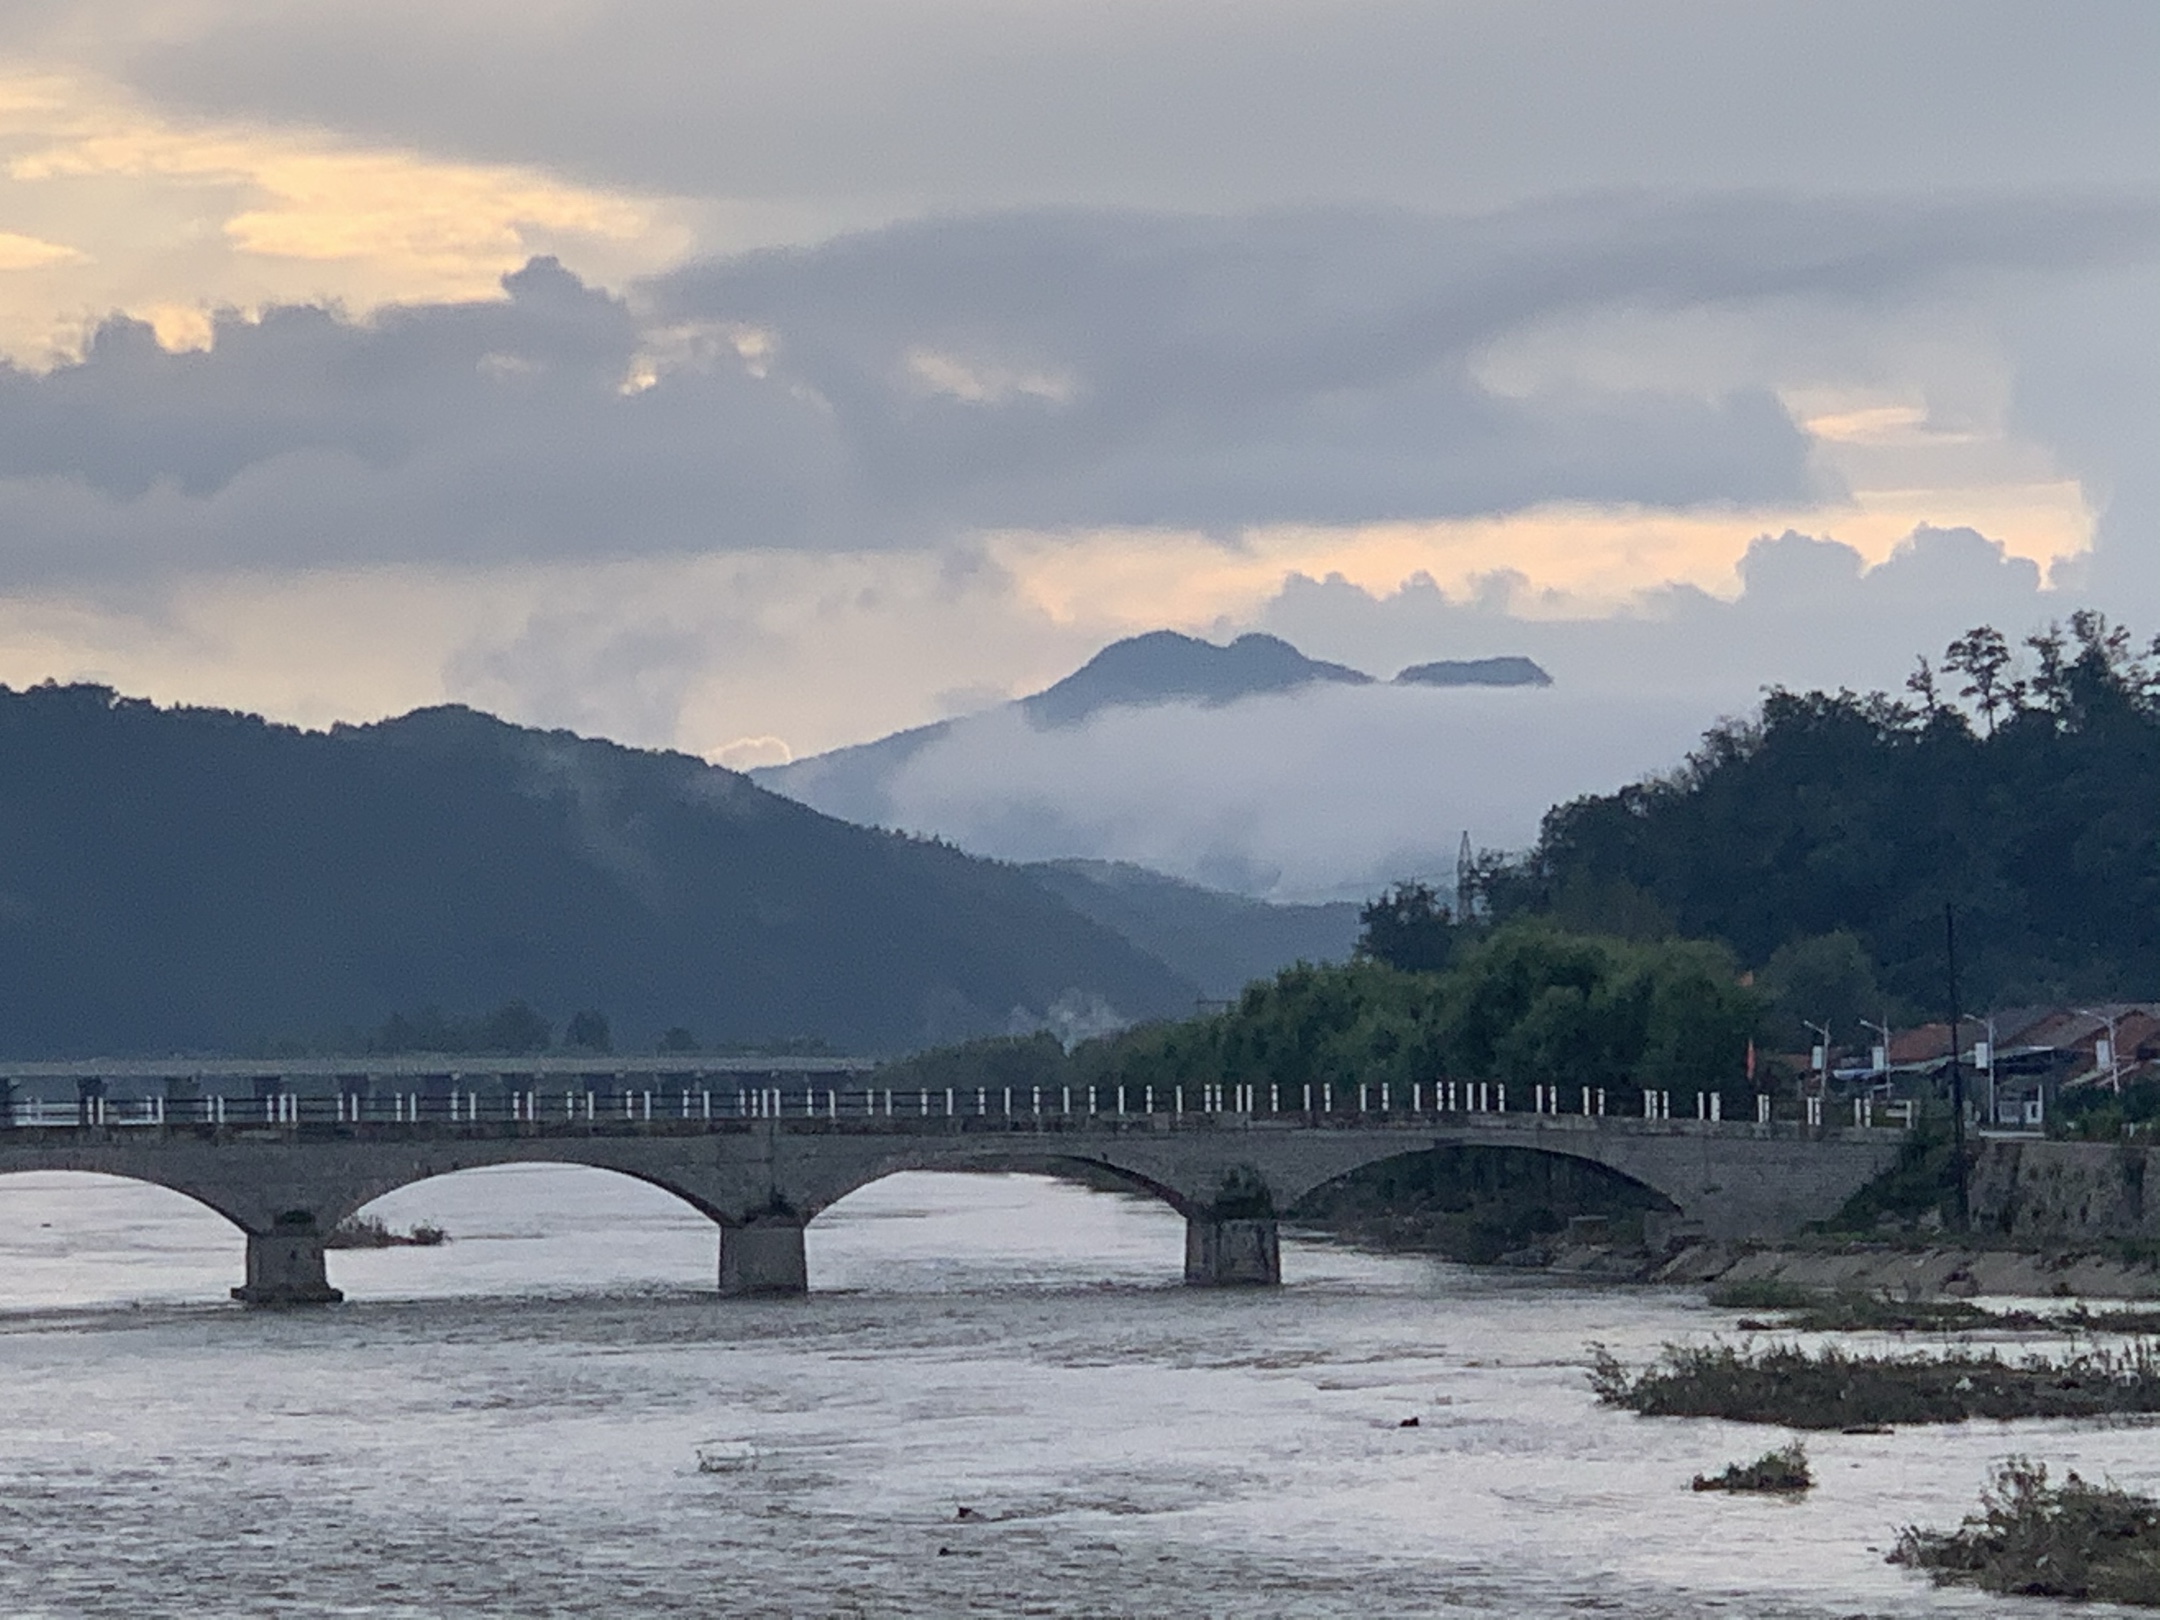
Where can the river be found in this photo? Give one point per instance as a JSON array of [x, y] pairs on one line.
[[510, 1424]]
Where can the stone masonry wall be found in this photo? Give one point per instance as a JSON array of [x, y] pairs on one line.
[[2065, 1192]]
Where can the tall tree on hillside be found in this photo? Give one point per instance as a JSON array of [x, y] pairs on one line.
[[1407, 927], [1982, 655]]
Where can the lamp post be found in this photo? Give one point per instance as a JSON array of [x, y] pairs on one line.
[[1985, 1058], [2114, 1062], [1822, 1052], [1882, 1059]]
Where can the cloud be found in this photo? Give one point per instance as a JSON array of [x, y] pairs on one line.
[[1811, 612], [19, 252], [1335, 791], [1324, 794], [169, 218], [958, 105], [1090, 371]]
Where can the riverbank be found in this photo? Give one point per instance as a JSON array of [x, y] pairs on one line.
[[2060, 1219], [1934, 1272], [1824, 1265]]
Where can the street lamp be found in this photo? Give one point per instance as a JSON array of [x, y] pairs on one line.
[[2113, 1063], [1985, 1057], [1882, 1052], [1822, 1052]]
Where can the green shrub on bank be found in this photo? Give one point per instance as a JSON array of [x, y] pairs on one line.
[[1838, 1389], [1780, 1472], [2033, 1539], [1761, 1294]]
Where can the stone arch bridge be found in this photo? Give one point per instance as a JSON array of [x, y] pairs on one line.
[[761, 1160]]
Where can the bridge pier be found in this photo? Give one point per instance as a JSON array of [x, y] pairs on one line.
[[285, 1267], [764, 1256], [1242, 1251]]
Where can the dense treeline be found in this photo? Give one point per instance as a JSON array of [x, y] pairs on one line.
[[1821, 839], [1524, 1005]]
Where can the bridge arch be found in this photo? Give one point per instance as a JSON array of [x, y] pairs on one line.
[[1076, 1168], [357, 1196], [84, 1238], [1478, 1201], [210, 1197]]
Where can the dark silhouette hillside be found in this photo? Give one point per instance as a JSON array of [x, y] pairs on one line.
[[179, 879], [2034, 809]]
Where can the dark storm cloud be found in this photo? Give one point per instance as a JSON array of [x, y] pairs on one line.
[[1029, 370]]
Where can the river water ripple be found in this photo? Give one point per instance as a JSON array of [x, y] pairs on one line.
[[510, 1424]]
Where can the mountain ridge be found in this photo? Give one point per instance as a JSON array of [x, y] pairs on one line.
[[200, 879]]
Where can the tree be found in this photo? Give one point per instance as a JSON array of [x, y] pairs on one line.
[[1822, 979], [513, 1028], [587, 1031], [1407, 927], [1921, 683], [1982, 655], [678, 1039]]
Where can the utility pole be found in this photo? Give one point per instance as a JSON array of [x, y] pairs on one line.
[[1957, 1074]]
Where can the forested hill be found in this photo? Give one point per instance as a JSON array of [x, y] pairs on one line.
[[188, 879], [2022, 784]]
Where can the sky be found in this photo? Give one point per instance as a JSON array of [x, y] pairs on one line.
[[756, 378]]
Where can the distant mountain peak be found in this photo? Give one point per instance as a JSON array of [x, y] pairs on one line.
[[1475, 672], [1164, 666]]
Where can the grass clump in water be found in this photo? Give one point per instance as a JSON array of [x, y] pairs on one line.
[[369, 1232], [1761, 1294], [1838, 1389], [1799, 1311], [2033, 1539], [1879, 1313], [1782, 1471]]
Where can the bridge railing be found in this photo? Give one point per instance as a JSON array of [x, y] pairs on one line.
[[695, 1107]]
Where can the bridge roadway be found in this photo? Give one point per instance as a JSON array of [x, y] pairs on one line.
[[762, 1162]]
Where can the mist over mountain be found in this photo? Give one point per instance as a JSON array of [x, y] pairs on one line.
[[1040, 778], [1159, 667], [1222, 942], [196, 879]]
